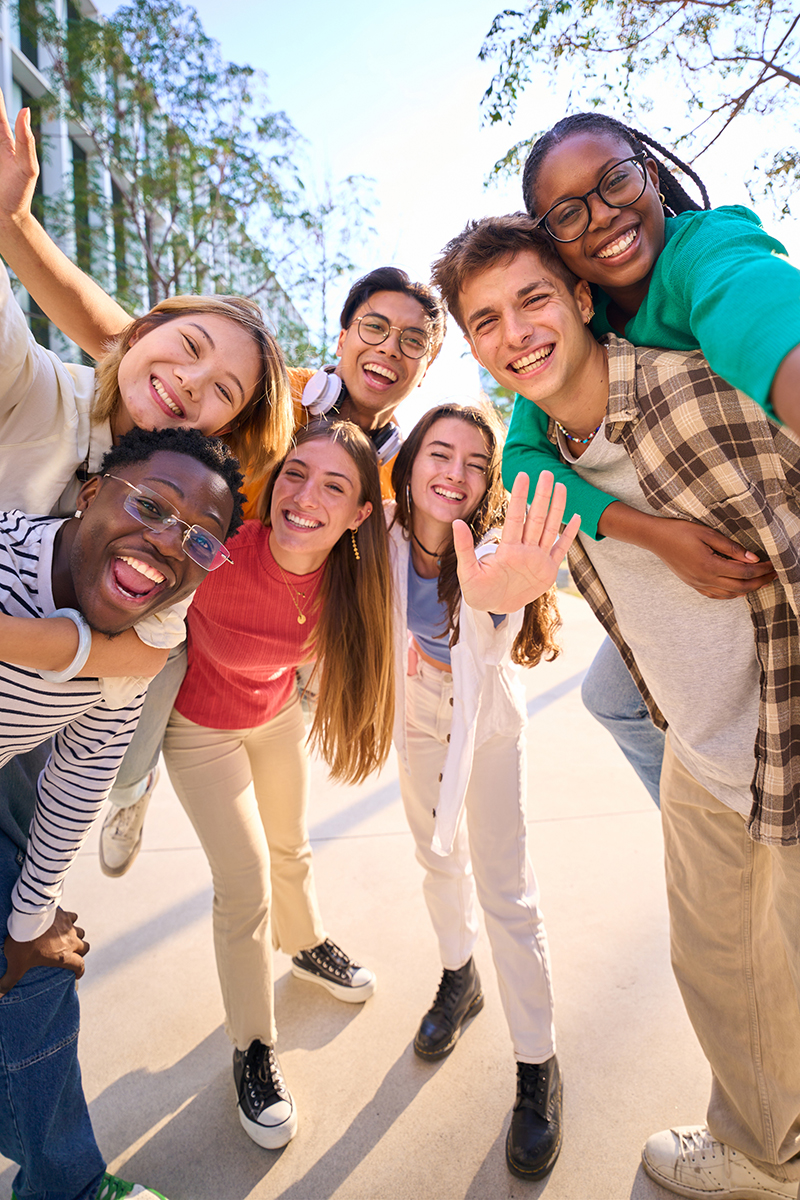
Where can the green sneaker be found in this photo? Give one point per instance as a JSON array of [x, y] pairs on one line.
[[112, 1188]]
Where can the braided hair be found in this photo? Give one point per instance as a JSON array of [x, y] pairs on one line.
[[675, 198]]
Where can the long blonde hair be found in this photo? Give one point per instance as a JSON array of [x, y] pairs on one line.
[[262, 431], [537, 637], [352, 640]]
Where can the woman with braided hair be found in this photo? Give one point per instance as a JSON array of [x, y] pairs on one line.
[[664, 272]]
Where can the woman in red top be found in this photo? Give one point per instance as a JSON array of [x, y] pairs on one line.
[[310, 578]]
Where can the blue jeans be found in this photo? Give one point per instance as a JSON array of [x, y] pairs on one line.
[[614, 700], [44, 1121]]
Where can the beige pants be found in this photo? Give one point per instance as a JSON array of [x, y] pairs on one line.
[[735, 930], [246, 793]]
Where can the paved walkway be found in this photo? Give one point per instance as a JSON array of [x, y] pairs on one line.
[[376, 1123]]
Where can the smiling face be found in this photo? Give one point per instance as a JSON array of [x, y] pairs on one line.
[[620, 246], [316, 498], [120, 570], [528, 328], [448, 477], [195, 371], [378, 378]]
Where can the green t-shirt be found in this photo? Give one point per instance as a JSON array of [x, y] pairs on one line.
[[721, 285]]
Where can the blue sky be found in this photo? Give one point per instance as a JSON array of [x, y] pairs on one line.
[[393, 92]]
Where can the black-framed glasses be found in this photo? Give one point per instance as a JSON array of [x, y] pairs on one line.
[[158, 514], [619, 186], [375, 329]]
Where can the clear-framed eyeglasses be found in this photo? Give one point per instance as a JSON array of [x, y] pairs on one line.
[[375, 329], [619, 186], [158, 514]]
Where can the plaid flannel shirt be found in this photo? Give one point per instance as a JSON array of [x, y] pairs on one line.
[[705, 452]]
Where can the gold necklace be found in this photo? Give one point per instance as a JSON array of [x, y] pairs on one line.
[[294, 593]]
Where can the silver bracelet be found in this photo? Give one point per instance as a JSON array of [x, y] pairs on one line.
[[84, 646]]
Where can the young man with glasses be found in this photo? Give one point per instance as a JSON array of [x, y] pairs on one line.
[[144, 536], [663, 434]]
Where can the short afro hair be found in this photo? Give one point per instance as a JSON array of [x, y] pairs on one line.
[[140, 444]]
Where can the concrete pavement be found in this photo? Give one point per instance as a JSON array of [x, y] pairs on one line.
[[376, 1123]]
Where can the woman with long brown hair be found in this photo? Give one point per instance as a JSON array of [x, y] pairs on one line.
[[311, 580], [459, 731]]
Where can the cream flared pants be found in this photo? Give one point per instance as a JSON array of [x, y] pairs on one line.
[[488, 864], [246, 793]]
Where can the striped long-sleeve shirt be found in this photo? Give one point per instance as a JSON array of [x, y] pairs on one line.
[[90, 739]]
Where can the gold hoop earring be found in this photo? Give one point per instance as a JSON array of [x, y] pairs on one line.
[[662, 198], [589, 317], [355, 545]]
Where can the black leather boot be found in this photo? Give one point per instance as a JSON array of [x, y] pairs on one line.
[[458, 998], [534, 1139]]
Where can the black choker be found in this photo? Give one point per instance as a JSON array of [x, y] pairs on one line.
[[430, 553]]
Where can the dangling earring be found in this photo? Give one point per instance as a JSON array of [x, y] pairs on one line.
[[355, 546]]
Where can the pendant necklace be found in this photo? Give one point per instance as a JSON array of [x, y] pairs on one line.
[[294, 593], [430, 553]]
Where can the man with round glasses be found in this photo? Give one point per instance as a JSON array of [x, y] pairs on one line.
[[391, 331], [106, 568]]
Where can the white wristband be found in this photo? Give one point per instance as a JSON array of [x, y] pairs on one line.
[[84, 646]]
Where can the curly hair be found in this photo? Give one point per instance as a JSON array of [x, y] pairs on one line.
[[541, 622], [140, 444], [674, 195]]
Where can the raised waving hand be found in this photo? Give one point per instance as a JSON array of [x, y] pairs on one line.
[[529, 553]]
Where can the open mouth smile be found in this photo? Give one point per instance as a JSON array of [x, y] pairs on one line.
[[533, 359], [450, 495], [385, 375], [136, 580], [165, 398], [619, 245], [298, 522]]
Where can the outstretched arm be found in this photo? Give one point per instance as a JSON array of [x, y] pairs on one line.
[[530, 551], [72, 301]]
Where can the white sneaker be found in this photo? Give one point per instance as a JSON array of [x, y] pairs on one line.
[[689, 1161], [121, 834]]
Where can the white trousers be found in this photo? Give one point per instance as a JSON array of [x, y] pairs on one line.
[[488, 863], [246, 793]]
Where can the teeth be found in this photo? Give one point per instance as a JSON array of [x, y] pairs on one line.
[[170, 403], [618, 246], [449, 495], [522, 364], [301, 522], [143, 568], [376, 370]]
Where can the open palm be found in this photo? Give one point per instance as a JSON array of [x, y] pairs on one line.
[[528, 554]]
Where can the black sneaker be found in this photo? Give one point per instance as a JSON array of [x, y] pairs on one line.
[[534, 1138], [329, 966], [266, 1107], [459, 997]]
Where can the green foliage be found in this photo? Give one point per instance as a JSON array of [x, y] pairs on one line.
[[208, 194], [502, 398], [730, 57]]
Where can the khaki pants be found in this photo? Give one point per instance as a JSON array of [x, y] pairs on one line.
[[735, 931], [246, 793]]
